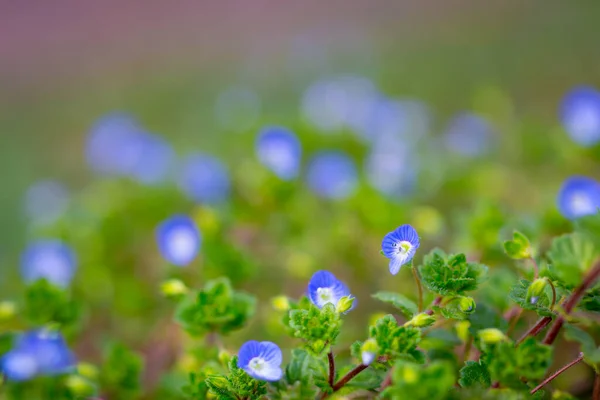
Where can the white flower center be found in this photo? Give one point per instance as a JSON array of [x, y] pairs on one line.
[[325, 296], [403, 247], [182, 243], [582, 204], [257, 364]]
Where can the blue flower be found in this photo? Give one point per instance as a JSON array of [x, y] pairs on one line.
[[579, 196], [279, 150], [332, 174], [325, 288], [469, 135], [204, 179], [154, 160], [48, 259], [38, 352], [580, 115], [178, 240], [261, 360], [400, 246], [46, 201]]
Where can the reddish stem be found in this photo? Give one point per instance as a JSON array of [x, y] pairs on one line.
[[349, 376], [557, 373], [572, 301], [596, 393], [535, 329], [331, 368], [436, 302]]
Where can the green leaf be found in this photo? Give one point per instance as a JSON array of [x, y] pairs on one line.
[[318, 328], [46, 303], [591, 301], [458, 307], [121, 372], [541, 306], [450, 275], [236, 385], [486, 317], [404, 304], [216, 308], [571, 256], [421, 382], [588, 345], [394, 340], [519, 247], [475, 374]]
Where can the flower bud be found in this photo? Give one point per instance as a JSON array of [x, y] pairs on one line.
[[79, 386], [422, 320], [344, 304], [466, 305], [491, 335], [87, 370], [8, 309], [174, 288], [280, 303], [224, 356], [369, 351], [535, 290]]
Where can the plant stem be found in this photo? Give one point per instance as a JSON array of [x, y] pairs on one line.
[[436, 302], [596, 393], [572, 301], [331, 368], [535, 329], [387, 381], [349, 376], [553, 293], [419, 287], [467, 349], [536, 268], [557, 373], [513, 322]]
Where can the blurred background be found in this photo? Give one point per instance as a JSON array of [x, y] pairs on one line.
[[442, 114]]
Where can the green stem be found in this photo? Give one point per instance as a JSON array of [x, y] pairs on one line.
[[419, 287]]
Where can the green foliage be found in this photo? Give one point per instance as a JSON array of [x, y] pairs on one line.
[[236, 385], [521, 294], [46, 303], [121, 372], [216, 308], [301, 377], [317, 327], [519, 247], [475, 373], [402, 303], [457, 307], [450, 275], [571, 256], [395, 341], [508, 363], [589, 348], [421, 382]]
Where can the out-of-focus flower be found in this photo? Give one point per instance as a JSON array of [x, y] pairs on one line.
[[469, 135], [579, 196], [46, 201], [261, 360], [279, 150], [52, 260], [325, 288], [39, 352], [204, 179], [491, 335], [332, 174], [580, 115], [400, 246], [178, 240], [237, 108], [368, 351], [155, 160]]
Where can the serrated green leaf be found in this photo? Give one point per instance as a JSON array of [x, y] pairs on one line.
[[404, 304], [318, 328], [121, 372], [393, 340], [450, 275], [518, 294], [571, 256], [475, 374]]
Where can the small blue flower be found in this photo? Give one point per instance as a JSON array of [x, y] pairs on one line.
[[580, 115], [178, 240], [154, 161], [579, 196], [325, 288], [469, 135], [261, 360], [46, 201], [279, 150], [38, 352], [204, 179], [400, 246], [332, 174], [52, 260]]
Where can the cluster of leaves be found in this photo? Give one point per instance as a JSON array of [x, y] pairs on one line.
[[317, 327], [236, 385], [450, 275], [216, 308]]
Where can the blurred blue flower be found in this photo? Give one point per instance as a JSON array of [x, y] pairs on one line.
[[155, 159], [332, 174], [261, 360], [580, 115], [339, 102], [178, 240], [204, 179], [237, 108], [325, 288], [38, 352], [579, 196], [52, 260], [469, 135], [46, 201], [400, 246], [279, 150]]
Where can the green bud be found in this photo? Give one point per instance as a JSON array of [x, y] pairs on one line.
[[519, 247], [535, 290], [422, 320], [79, 386], [466, 305], [174, 288], [280, 303], [8, 309], [368, 351], [87, 370], [458, 307], [491, 335], [224, 356], [344, 304]]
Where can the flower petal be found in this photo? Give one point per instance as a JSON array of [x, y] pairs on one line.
[[396, 263], [271, 353], [247, 352], [269, 373]]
